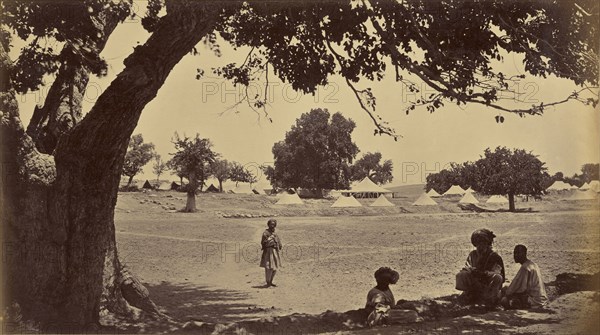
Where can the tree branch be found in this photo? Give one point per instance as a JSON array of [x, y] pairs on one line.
[[381, 129]]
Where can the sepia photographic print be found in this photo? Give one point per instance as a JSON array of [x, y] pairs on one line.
[[300, 167]]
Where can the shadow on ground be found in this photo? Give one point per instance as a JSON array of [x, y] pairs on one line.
[[185, 302], [202, 310]]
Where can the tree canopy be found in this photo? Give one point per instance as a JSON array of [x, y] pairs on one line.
[[316, 153], [499, 172], [363, 39], [511, 172], [159, 166], [239, 173], [462, 175], [138, 154], [192, 159], [369, 165], [589, 172], [220, 169]]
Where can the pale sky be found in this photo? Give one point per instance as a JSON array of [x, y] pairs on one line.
[[565, 137]]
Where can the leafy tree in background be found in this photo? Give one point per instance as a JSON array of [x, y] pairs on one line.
[[316, 153], [559, 176], [504, 171], [138, 154], [457, 174], [159, 167], [590, 171], [221, 170], [62, 154], [369, 165], [192, 159], [269, 172], [239, 173]]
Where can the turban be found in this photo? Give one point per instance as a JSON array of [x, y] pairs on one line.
[[482, 234], [386, 275]]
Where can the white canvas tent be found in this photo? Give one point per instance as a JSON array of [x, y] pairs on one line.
[[469, 190], [595, 186], [262, 187], [243, 188], [228, 186], [164, 186], [424, 200], [346, 202], [455, 190], [366, 188], [432, 193], [289, 199], [585, 187], [559, 186], [382, 201], [468, 198], [583, 195], [497, 199]]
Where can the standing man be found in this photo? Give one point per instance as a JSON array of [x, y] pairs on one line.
[[527, 289], [482, 277], [271, 244]]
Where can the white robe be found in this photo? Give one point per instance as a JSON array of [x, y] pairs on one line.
[[529, 279]]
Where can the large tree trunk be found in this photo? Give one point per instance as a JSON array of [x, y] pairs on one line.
[[190, 205], [63, 268], [62, 107], [511, 202]]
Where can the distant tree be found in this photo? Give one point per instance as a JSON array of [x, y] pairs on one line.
[[440, 181], [269, 172], [370, 165], [159, 166], [316, 153], [138, 154], [457, 174], [590, 172], [575, 180], [221, 170], [180, 174], [192, 160], [559, 176], [239, 173], [504, 171]]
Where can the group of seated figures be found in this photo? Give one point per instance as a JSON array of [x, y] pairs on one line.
[[481, 281]]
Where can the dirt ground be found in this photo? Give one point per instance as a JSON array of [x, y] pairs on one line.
[[203, 267]]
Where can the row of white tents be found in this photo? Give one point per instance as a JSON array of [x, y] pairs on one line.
[[587, 191], [453, 190], [366, 188], [594, 186], [558, 185], [468, 198], [382, 201], [342, 201]]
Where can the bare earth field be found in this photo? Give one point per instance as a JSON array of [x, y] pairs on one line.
[[203, 267]]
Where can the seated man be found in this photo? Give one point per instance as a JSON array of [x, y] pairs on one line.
[[380, 298], [482, 277], [527, 289]]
